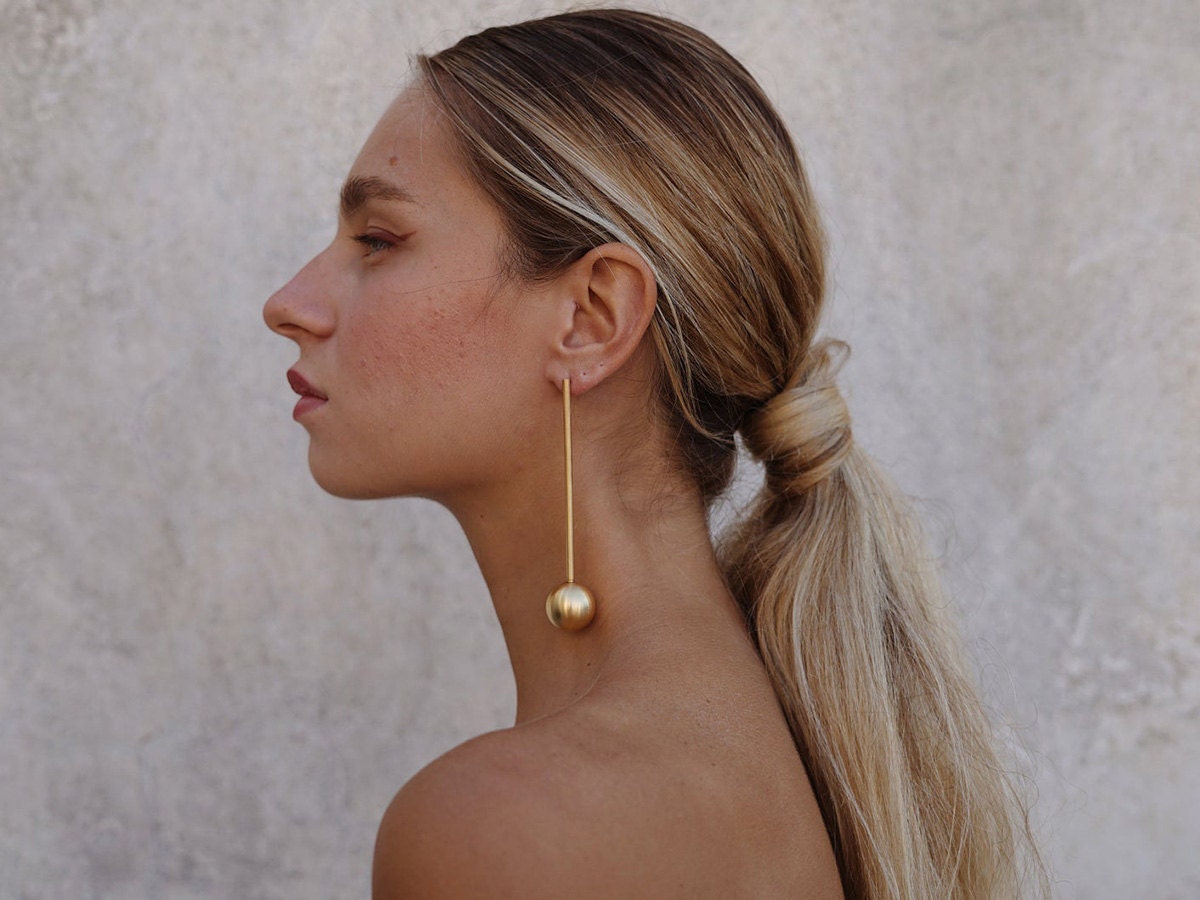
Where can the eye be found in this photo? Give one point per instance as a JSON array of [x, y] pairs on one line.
[[376, 242]]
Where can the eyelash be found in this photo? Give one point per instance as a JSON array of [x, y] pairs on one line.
[[374, 243]]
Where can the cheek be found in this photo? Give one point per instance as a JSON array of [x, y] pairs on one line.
[[432, 348], [418, 350]]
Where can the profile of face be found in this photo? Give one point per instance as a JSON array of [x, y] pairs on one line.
[[416, 356]]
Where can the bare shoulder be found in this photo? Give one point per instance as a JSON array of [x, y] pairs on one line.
[[587, 805], [493, 817]]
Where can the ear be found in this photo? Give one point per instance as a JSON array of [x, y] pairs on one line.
[[605, 302]]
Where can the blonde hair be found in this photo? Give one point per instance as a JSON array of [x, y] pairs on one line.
[[614, 125]]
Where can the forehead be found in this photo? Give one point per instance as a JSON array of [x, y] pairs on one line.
[[411, 147]]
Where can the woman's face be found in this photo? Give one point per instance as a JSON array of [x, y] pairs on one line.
[[419, 362]]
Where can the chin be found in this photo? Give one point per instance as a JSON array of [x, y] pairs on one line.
[[353, 483], [345, 481], [348, 490]]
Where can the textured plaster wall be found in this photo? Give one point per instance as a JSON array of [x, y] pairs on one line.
[[213, 677]]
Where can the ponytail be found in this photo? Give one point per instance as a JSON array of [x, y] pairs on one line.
[[614, 125], [835, 582]]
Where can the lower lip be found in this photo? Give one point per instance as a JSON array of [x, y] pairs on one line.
[[306, 404]]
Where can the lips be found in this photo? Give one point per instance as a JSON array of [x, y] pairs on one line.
[[310, 397], [301, 386]]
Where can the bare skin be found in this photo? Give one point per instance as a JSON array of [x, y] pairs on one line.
[[649, 756]]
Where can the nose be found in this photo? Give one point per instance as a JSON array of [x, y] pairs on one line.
[[302, 307]]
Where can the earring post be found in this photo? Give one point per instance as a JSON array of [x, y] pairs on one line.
[[570, 504]]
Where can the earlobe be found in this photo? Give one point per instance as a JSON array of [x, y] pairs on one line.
[[608, 299]]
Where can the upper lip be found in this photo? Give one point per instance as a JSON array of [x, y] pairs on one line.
[[301, 386]]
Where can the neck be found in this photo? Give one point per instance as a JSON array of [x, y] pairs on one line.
[[642, 547]]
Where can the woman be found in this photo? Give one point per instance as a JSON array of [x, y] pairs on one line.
[[601, 209]]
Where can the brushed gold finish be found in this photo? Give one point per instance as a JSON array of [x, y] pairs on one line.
[[570, 481], [570, 606]]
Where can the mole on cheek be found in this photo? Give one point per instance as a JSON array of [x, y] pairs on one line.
[[393, 160]]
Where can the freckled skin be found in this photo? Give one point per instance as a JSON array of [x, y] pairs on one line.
[[418, 347]]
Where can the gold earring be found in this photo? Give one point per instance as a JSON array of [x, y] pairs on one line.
[[570, 606]]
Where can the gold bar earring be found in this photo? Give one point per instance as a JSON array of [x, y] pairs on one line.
[[570, 606]]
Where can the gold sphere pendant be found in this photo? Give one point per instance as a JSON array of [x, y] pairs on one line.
[[570, 606]]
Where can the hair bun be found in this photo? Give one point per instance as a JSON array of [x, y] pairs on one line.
[[802, 434]]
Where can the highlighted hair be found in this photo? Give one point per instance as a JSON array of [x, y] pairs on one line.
[[614, 125]]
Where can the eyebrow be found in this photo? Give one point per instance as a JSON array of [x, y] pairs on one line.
[[359, 190]]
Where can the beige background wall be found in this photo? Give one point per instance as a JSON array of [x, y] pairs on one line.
[[213, 677]]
